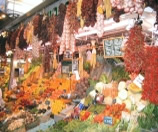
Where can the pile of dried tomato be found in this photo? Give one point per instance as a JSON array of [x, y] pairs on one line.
[[150, 87], [134, 51]]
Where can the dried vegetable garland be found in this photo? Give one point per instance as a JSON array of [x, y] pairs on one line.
[[68, 38], [89, 9], [9, 38], [37, 22], [134, 51], [35, 47], [28, 33], [150, 87], [108, 8], [60, 19], [43, 34], [117, 14], [79, 4], [13, 39], [2, 45], [22, 42], [129, 5], [71, 14], [52, 35]]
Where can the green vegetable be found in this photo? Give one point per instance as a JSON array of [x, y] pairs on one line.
[[103, 78], [71, 127], [123, 125], [57, 127], [148, 110], [96, 108], [119, 73], [86, 66]]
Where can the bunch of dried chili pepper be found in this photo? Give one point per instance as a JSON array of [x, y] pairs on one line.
[[134, 51], [150, 84]]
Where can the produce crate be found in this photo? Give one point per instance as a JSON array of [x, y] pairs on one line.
[[21, 129], [32, 125], [45, 117]]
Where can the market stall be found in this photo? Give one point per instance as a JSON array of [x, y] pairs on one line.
[[91, 68]]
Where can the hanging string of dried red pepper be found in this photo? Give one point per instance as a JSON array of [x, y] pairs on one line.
[[150, 87], [134, 51]]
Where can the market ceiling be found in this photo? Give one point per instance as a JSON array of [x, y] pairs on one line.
[[13, 9]]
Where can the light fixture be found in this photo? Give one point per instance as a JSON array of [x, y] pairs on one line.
[[3, 16]]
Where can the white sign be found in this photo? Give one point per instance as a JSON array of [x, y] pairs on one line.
[[138, 80]]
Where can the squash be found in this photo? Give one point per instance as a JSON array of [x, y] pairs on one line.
[[134, 88]]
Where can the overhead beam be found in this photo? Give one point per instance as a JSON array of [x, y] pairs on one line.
[[35, 10]]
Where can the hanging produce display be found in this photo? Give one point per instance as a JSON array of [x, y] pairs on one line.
[[68, 38], [89, 9], [37, 23], [22, 42], [2, 45], [100, 20], [134, 51], [129, 5], [13, 39], [150, 89], [43, 34], [52, 35], [72, 18], [79, 4], [35, 47], [60, 19], [108, 8], [28, 33], [117, 14]]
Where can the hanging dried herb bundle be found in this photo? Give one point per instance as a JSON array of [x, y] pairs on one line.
[[117, 14], [22, 42], [43, 34], [89, 9], [152, 3], [60, 19], [156, 23], [134, 51], [52, 35], [13, 39], [71, 14], [150, 87], [37, 22], [9, 37], [2, 45]]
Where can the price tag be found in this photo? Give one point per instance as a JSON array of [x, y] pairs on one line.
[[138, 80], [108, 120]]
